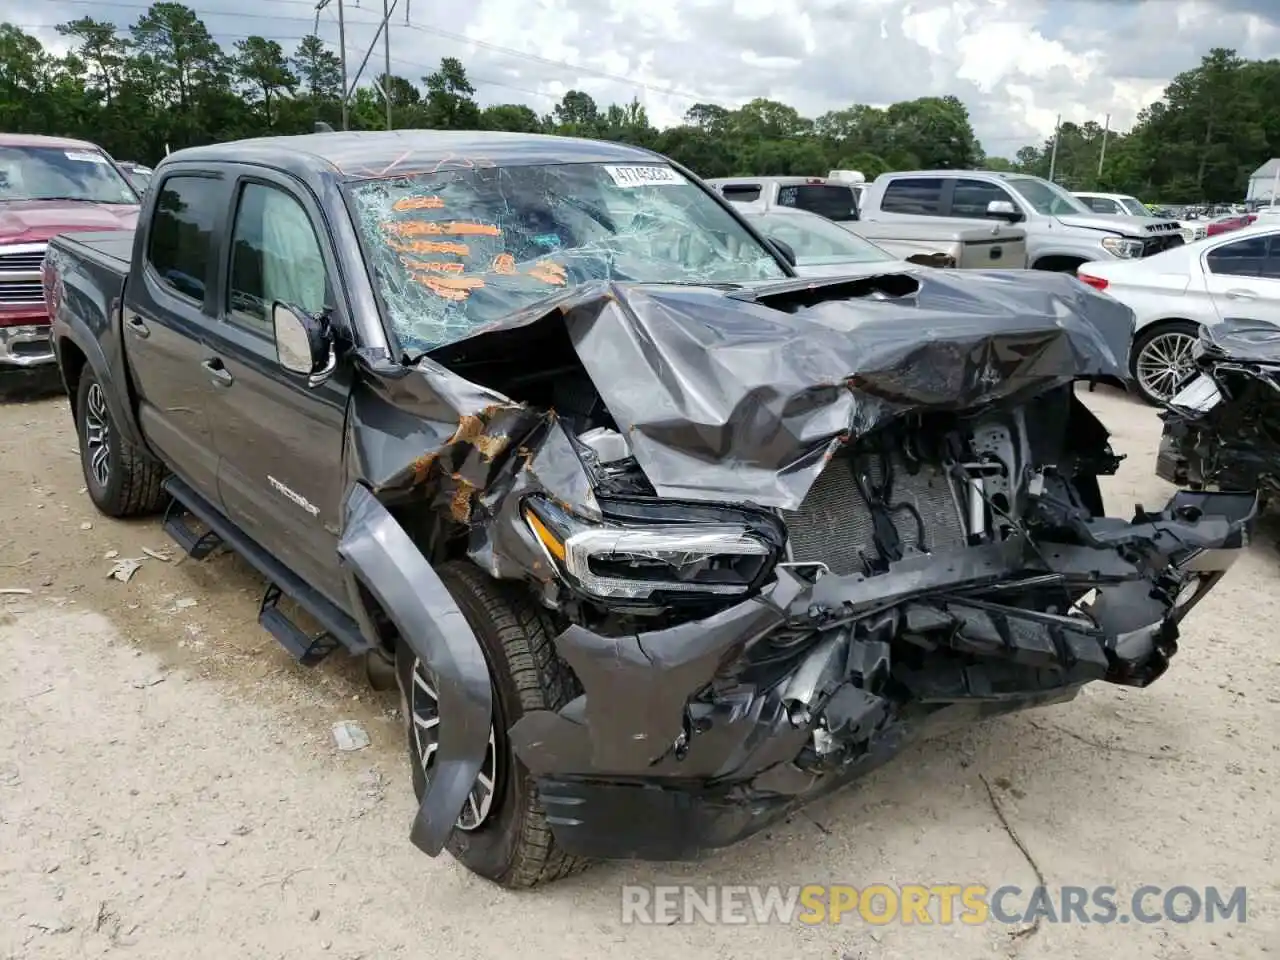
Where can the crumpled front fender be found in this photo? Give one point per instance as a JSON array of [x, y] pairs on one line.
[[379, 556]]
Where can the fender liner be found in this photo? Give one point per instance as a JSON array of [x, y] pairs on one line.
[[379, 555]]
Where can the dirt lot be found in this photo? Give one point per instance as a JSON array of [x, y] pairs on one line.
[[169, 785]]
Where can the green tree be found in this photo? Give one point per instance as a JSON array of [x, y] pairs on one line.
[[177, 52], [450, 103], [576, 115], [515, 117], [261, 64], [102, 50], [319, 69]]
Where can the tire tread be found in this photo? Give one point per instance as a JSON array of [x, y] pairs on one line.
[[139, 488], [543, 682]]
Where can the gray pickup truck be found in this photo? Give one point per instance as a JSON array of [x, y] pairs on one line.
[[1061, 232], [657, 540], [988, 246]]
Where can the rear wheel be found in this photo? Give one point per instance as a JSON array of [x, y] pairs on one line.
[[122, 480], [1163, 358], [502, 832]]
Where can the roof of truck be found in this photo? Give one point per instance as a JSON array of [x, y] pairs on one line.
[[36, 140], [357, 155]]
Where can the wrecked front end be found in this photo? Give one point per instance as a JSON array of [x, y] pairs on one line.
[[1222, 428], [783, 531]]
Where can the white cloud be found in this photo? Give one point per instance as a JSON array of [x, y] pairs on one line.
[[1017, 65]]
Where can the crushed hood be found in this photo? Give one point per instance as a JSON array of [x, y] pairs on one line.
[[742, 394]]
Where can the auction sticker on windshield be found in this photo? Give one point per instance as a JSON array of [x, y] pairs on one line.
[[85, 156], [646, 176]]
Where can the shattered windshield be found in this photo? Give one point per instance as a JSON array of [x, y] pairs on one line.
[[457, 250]]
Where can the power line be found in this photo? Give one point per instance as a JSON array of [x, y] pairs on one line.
[[564, 64]]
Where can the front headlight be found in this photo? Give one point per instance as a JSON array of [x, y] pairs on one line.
[[635, 561], [1122, 247]]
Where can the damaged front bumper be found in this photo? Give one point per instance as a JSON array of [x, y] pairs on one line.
[[690, 738]]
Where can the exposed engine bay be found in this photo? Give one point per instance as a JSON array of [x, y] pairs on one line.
[[1222, 429], [781, 531]]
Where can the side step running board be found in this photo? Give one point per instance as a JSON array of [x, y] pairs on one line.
[[307, 649], [195, 544], [338, 629]]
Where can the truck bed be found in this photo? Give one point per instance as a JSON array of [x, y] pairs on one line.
[[101, 264], [110, 250]]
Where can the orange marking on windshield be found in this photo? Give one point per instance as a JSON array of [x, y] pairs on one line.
[[433, 266], [504, 263], [418, 203], [413, 228], [429, 246], [450, 288], [549, 272], [429, 228], [472, 230]]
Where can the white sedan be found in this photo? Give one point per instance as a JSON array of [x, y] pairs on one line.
[[1174, 293]]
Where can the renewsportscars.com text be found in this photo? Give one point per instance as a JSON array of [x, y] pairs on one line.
[[931, 904]]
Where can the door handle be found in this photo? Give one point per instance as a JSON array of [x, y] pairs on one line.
[[1240, 295], [221, 375], [135, 326]]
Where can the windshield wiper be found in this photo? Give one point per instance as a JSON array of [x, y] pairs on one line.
[[69, 199]]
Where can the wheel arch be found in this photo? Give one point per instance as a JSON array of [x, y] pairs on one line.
[[1059, 262], [383, 564]]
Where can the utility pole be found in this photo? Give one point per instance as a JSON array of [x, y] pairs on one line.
[[351, 89], [1106, 128], [386, 53], [342, 49], [1053, 157]]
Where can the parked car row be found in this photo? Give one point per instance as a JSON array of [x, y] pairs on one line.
[[658, 539]]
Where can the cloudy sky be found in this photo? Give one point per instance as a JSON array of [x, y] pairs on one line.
[[1015, 63]]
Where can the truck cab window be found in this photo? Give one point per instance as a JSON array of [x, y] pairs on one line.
[[275, 255], [918, 195], [971, 198], [180, 244]]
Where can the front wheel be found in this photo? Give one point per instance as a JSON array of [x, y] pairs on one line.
[[1163, 358], [502, 832], [122, 480]]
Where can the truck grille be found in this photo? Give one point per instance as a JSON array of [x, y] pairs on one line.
[[21, 291], [833, 525], [26, 260], [1154, 245]]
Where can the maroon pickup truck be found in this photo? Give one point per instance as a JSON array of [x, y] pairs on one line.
[[48, 185]]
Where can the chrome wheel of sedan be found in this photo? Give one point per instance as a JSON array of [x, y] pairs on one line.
[[1164, 362], [424, 710], [97, 435]]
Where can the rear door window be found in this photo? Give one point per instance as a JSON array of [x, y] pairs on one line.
[[180, 242], [1243, 258], [971, 198], [917, 195], [831, 200]]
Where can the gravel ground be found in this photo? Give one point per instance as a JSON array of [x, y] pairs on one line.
[[169, 785]]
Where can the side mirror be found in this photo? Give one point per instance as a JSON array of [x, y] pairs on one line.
[[784, 250], [304, 344], [1004, 210]]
